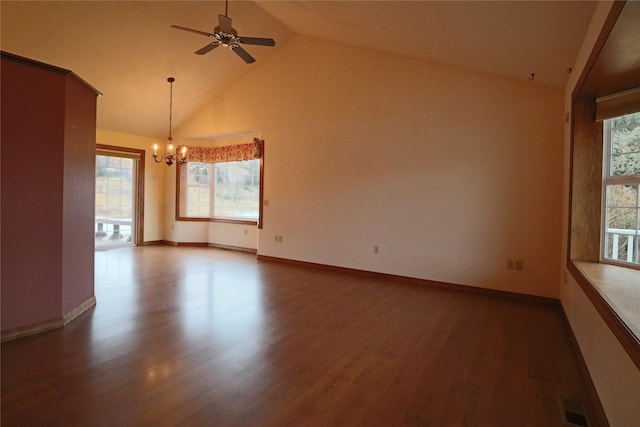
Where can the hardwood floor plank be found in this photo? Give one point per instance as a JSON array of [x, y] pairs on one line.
[[202, 336]]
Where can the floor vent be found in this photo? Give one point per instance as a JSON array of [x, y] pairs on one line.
[[573, 412]]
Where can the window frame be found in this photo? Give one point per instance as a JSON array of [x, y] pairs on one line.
[[609, 180], [180, 196], [181, 185], [181, 202]]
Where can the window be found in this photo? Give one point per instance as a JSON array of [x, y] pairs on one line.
[[621, 195], [234, 194], [198, 189], [237, 190]]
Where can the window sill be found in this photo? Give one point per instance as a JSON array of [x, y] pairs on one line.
[[191, 218], [615, 293], [225, 220], [234, 221]]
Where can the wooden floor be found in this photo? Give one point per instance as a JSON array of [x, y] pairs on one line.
[[205, 337]]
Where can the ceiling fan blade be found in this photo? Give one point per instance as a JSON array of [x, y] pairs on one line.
[[204, 33], [257, 41], [208, 48], [242, 53], [225, 24]]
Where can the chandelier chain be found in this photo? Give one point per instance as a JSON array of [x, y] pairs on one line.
[[170, 80]]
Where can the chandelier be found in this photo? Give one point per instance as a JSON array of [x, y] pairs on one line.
[[170, 156]]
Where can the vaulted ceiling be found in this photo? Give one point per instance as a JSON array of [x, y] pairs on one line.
[[127, 49]]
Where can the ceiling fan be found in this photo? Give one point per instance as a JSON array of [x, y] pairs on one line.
[[224, 34]]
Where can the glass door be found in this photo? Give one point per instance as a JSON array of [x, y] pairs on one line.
[[115, 213]]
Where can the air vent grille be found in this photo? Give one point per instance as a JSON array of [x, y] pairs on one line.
[[573, 412]]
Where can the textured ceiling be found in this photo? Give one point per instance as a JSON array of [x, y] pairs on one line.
[[127, 49]]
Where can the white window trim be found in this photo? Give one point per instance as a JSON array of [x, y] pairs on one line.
[[608, 179]]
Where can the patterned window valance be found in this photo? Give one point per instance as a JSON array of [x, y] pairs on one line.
[[230, 153]]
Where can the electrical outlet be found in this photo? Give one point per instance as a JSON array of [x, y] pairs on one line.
[[511, 264], [279, 239], [265, 202], [246, 231], [519, 265], [376, 249]]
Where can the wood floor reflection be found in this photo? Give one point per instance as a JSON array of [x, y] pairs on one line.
[[205, 337]]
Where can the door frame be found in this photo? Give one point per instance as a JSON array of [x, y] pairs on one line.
[[139, 197]]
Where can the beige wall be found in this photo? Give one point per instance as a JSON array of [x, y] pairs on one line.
[[450, 172], [238, 235], [614, 374], [154, 185]]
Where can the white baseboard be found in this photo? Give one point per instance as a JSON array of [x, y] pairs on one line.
[[78, 310]]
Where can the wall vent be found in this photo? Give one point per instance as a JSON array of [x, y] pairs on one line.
[[573, 412]]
